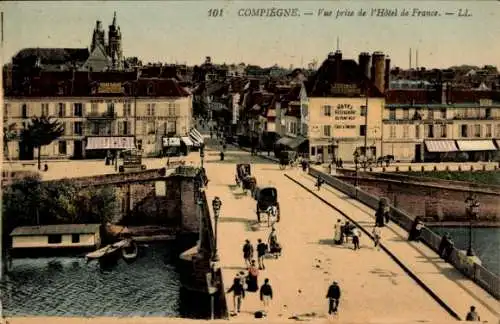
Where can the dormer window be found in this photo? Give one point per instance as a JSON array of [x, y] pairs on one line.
[[150, 89]]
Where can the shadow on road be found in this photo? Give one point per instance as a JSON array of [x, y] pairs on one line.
[[234, 220]]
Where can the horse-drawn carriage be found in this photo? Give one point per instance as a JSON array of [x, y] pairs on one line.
[[267, 202], [287, 158], [244, 177]]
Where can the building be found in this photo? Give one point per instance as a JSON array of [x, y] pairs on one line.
[[441, 124], [101, 111], [341, 107], [30, 241]]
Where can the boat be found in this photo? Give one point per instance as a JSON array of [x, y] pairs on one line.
[[130, 251]]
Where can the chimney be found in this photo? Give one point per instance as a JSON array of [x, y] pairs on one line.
[[378, 69], [338, 64], [387, 73], [364, 64]]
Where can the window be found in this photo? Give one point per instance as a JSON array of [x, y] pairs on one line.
[[150, 89], [45, 109], [111, 108], [406, 130], [94, 129], [443, 131], [362, 111], [125, 128], [24, 111], [477, 130], [61, 112], [430, 131], [362, 130], [406, 113], [313, 150], [75, 238], [418, 114], [443, 113], [327, 130], [94, 108], [127, 109], [78, 129], [62, 147], [139, 144], [55, 239], [497, 129], [392, 131], [430, 114], [151, 128], [327, 110], [392, 113], [488, 131], [78, 108], [6, 109], [151, 109], [171, 109], [417, 131], [171, 127], [487, 113], [463, 131]]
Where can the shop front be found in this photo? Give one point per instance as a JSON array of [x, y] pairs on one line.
[[478, 150], [171, 146], [100, 147], [440, 151]]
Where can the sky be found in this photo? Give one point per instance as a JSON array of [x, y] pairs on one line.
[[183, 32]]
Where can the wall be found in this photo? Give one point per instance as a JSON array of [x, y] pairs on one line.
[[42, 241], [436, 203]]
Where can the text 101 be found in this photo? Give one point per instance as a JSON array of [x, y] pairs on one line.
[[215, 12]]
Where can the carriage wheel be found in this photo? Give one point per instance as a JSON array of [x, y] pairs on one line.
[[278, 213]]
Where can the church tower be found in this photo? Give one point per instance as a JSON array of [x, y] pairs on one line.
[[114, 49], [98, 37]]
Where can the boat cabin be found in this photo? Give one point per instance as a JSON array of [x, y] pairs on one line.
[[54, 240]]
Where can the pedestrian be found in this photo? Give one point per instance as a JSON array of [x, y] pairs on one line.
[[472, 315], [416, 230], [252, 278], [261, 252], [333, 296], [319, 182], [356, 234], [222, 155], [377, 234], [238, 293], [445, 247], [248, 253], [304, 164], [266, 293], [337, 237], [341, 163]]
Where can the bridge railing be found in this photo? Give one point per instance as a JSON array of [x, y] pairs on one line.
[[479, 274]]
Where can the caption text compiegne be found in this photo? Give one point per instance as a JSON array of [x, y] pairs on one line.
[[336, 13]]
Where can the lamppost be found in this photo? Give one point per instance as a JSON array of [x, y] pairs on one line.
[[202, 153], [366, 127], [472, 210], [216, 205], [356, 169]]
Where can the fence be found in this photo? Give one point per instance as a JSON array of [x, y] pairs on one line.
[[479, 274]]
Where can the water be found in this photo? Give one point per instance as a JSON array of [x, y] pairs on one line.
[[69, 287], [485, 243]]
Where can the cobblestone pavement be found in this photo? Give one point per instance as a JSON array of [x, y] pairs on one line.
[[374, 288]]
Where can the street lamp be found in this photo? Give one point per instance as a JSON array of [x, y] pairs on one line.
[[216, 205], [202, 153], [356, 169], [472, 210]]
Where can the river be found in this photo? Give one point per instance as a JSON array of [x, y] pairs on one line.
[[69, 287], [485, 243]]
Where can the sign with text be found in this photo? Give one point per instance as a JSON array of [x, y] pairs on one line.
[[345, 120], [345, 89], [108, 87]]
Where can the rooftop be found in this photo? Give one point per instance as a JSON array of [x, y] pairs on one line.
[[56, 229]]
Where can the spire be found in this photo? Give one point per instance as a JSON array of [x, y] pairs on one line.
[[114, 19]]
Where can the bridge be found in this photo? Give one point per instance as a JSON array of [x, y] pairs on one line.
[[403, 282]]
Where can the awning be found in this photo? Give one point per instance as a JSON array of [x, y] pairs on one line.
[[296, 142], [498, 143], [187, 141], [196, 136], [171, 141], [441, 146], [285, 141], [478, 145], [110, 142]]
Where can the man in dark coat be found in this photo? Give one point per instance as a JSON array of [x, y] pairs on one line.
[[266, 293], [333, 296], [261, 252], [238, 293], [248, 253]]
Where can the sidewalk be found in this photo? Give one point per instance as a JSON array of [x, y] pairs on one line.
[[443, 279]]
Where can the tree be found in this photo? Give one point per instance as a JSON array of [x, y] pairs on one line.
[[42, 131], [9, 133], [98, 205]]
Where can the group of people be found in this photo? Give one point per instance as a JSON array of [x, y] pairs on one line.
[[342, 231], [249, 281]]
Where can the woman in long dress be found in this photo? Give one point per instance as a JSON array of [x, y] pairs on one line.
[[337, 238], [252, 279]]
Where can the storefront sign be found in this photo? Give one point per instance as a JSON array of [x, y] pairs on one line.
[[108, 87], [345, 112], [345, 89]]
